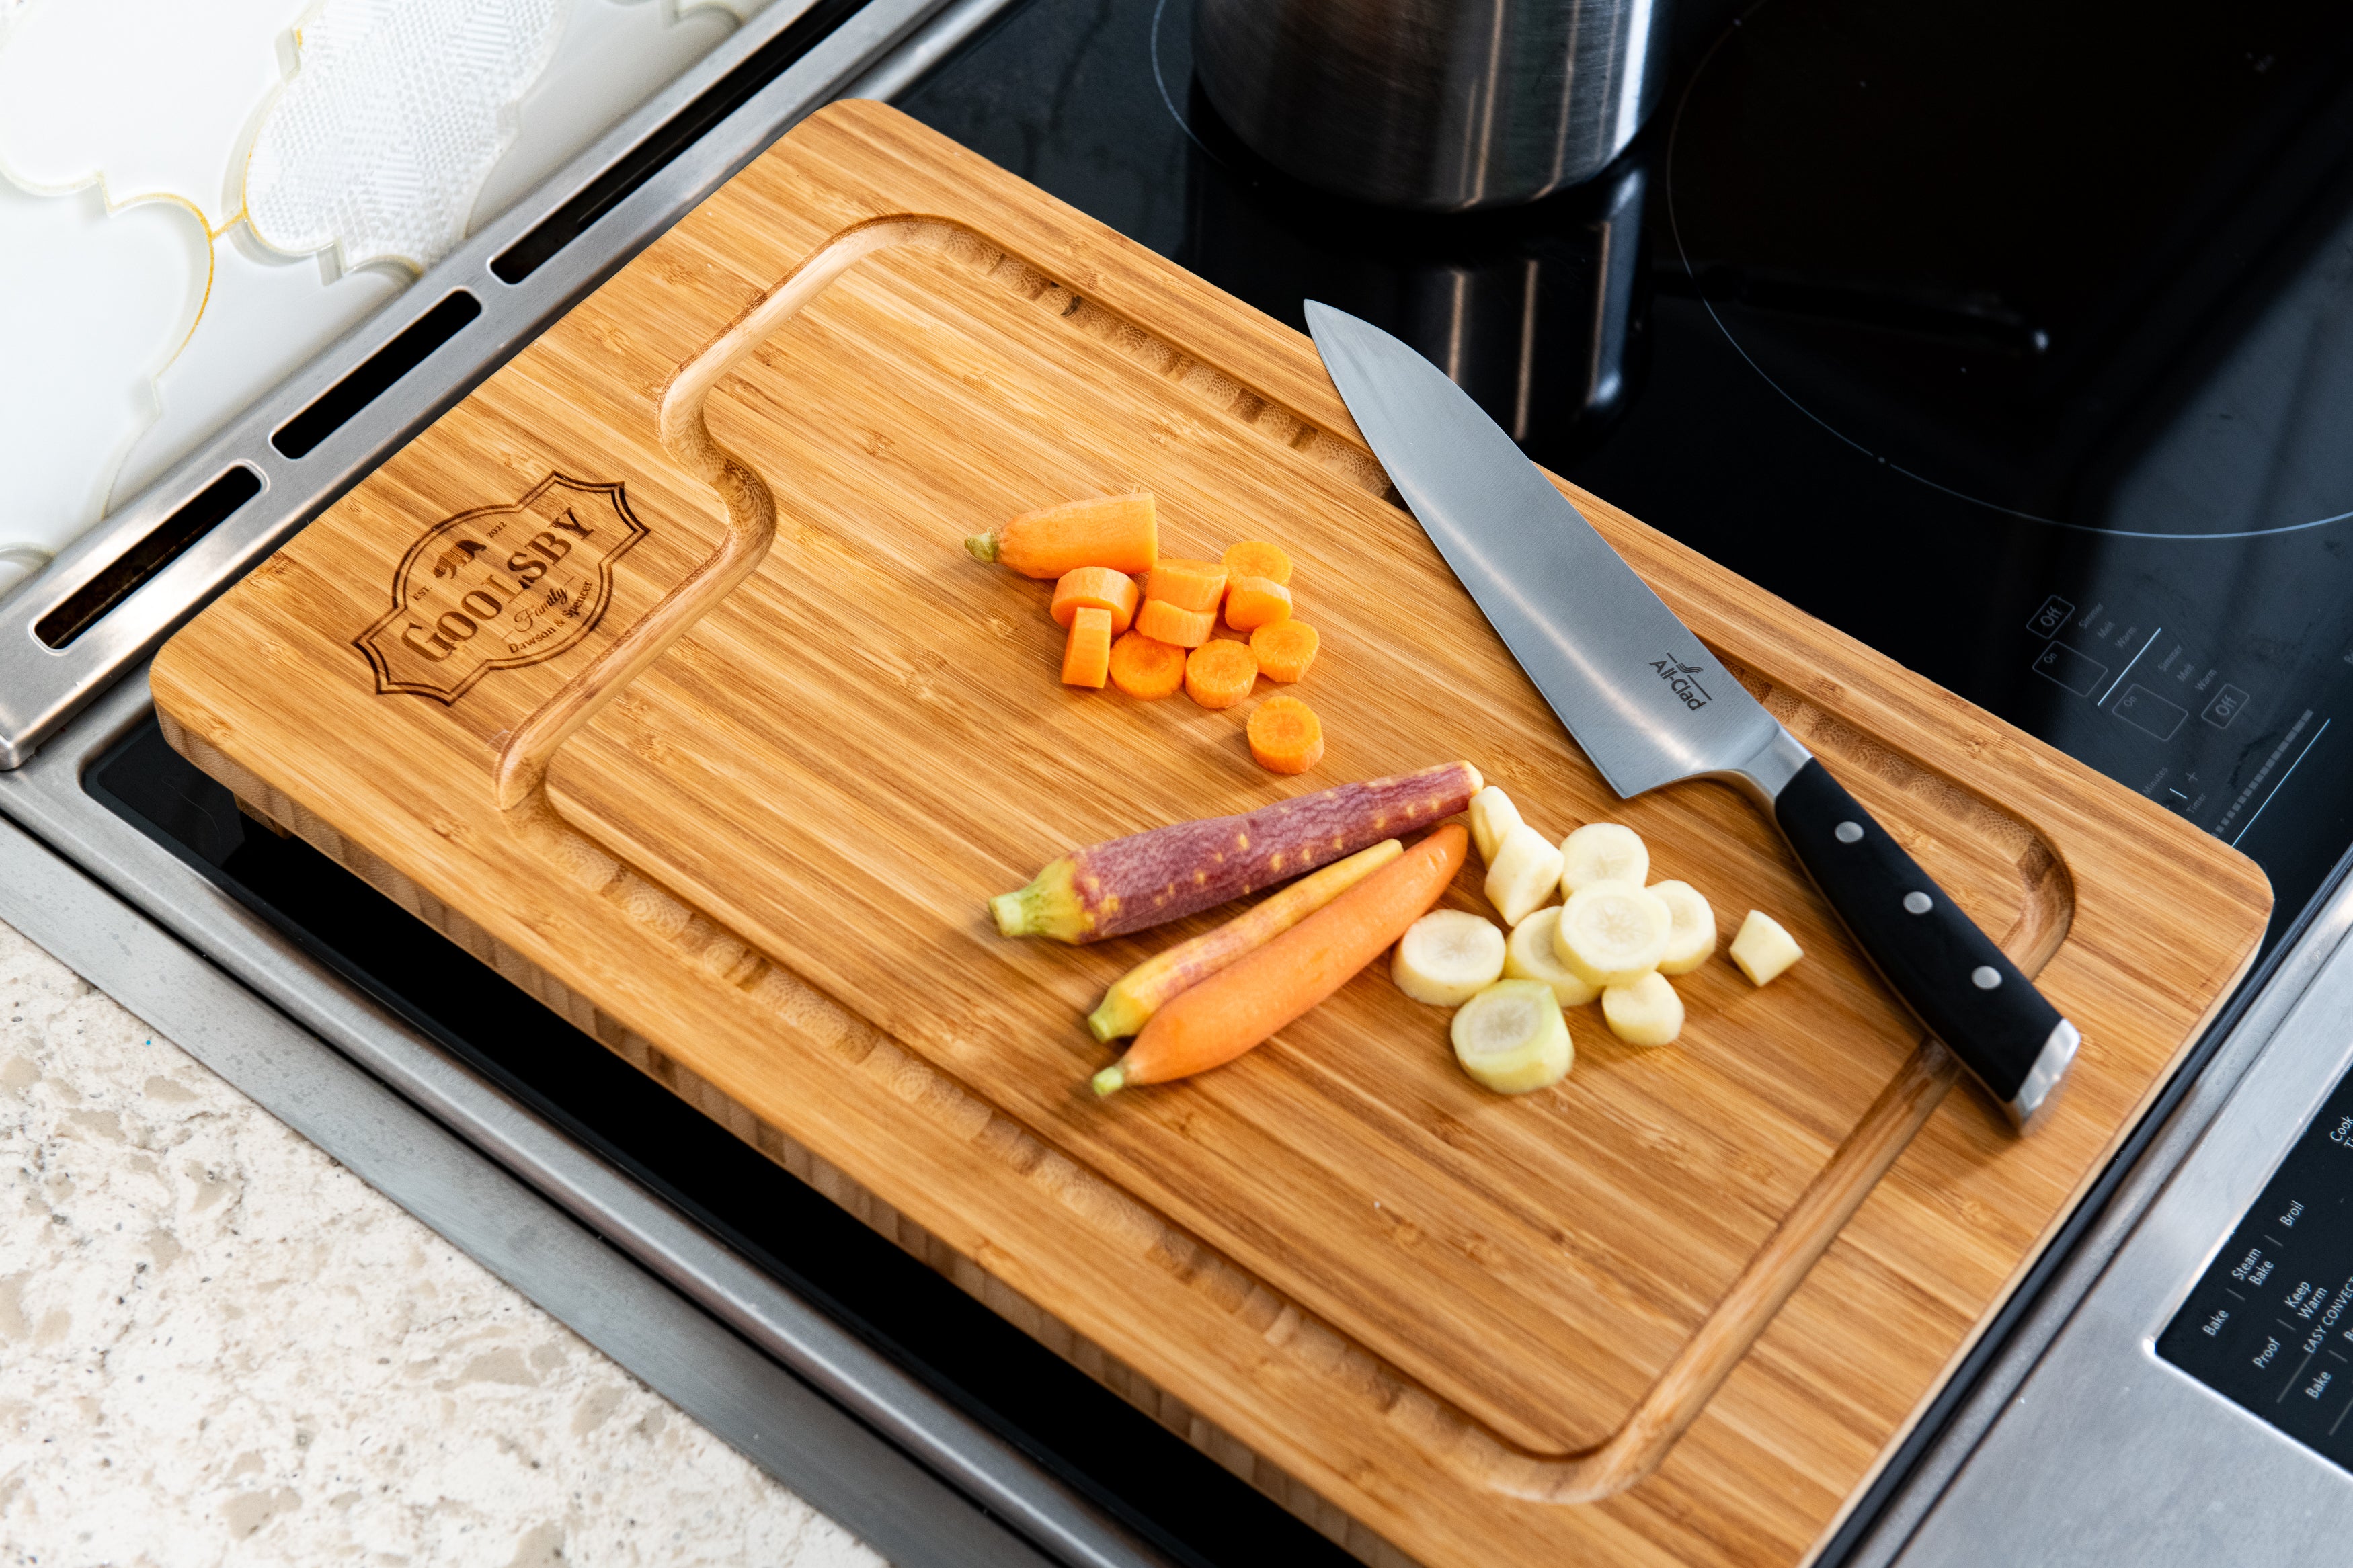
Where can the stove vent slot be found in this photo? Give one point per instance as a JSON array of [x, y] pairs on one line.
[[676, 134], [334, 407], [162, 545]]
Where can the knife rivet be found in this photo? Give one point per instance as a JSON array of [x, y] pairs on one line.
[[1985, 978], [1915, 903], [1849, 832]]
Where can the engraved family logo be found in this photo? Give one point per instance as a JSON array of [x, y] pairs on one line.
[[501, 587], [1682, 680]]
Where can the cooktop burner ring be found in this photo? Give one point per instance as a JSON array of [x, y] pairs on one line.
[[1699, 289]]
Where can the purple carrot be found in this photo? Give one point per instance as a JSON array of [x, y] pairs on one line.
[[1149, 878]]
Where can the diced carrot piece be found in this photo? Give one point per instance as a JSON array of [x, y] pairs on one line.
[[1095, 588], [1220, 674], [1188, 584], [1164, 622], [1143, 668], [1257, 558], [1284, 650], [1255, 602], [1119, 531], [1086, 656], [1285, 736]]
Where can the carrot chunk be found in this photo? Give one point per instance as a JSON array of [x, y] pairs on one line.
[[1188, 584], [1285, 736], [1086, 656], [1284, 650], [1095, 588], [1220, 674], [1255, 602], [1122, 533], [1143, 668], [1257, 558], [1164, 622]]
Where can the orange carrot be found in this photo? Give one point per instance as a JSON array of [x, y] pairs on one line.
[[1122, 533], [1188, 584], [1255, 602], [1257, 558], [1164, 622], [1284, 650], [1285, 736], [1086, 656], [1241, 1005], [1143, 668], [1142, 991], [1098, 587], [1220, 674]]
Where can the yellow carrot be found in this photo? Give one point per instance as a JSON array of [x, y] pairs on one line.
[[1244, 1003], [1136, 995]]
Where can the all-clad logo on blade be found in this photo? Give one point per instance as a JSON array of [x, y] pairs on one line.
[[500, 587], [1682, 680]]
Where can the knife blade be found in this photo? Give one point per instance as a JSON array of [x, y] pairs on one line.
[[1651, 705]]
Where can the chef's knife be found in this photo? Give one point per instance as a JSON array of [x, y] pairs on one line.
[[1651, 705]]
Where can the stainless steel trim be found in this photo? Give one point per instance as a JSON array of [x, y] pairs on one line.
[[41, 686], [46, 798], [947, 32], [2281, 1057]]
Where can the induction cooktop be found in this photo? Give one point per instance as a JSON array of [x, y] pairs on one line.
[[2015, 340]]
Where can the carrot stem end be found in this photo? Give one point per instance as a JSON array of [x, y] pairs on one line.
[[1048, 906]]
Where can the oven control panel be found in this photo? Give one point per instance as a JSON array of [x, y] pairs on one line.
[[2269, 1325]]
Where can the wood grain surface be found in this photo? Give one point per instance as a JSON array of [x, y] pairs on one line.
[[750, 808]]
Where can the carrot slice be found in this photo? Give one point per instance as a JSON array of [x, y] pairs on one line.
[[1284, 650], [1143, 668], [1188, 584], [1220, 674], [1285, 736], [1097, 587], [1164, 622], [1086, 656], [1257, 558], [1122, 533], [1246, 1002], [1255, 602]]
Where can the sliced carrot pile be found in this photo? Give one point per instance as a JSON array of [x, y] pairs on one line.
[[1097, 587], [1143, 668], [1220, 674], [1164, 622], [1285, 736], [1188, 584], [1257, 558], [1119, 531], [1255, 602], [1284, 650], [1086, 656]]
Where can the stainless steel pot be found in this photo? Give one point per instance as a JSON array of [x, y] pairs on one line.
[[1435, 104]]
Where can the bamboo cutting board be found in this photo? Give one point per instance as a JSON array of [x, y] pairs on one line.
[[654, 671]]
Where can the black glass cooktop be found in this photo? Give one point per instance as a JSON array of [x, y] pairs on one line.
[[2013, 338]]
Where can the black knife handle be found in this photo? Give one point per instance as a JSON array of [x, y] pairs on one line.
[[1970, 996]]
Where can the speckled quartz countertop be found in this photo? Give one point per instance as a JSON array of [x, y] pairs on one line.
[[217, 1343]]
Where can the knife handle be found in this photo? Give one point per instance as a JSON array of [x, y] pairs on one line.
[[1948, 970]]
